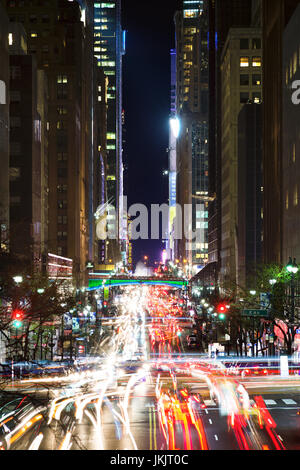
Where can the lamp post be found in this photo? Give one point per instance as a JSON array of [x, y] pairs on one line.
[[272, 283]]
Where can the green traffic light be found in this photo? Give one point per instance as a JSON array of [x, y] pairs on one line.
[[222, 316], [17, 324]]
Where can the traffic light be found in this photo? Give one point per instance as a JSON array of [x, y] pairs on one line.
[[17, 318], [221, 310]]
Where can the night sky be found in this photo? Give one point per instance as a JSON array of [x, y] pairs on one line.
[[146, 102]]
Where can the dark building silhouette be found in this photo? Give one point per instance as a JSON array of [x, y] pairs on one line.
[[223, 15], [26, 171], [250, 196], [276, 14], [4, 131], [291, 140]]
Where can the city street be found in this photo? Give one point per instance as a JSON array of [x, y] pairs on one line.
[[149, 392]]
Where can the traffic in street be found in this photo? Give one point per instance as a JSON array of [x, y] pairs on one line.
[[151, 389]]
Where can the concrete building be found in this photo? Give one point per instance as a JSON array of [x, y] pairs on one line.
[[223, 15], [4, 131], [241, 73], [56, 37], [26, 163]]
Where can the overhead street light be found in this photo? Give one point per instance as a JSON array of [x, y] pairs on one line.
[[175, 127]]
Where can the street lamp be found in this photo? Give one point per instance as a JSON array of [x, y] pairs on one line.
[[18, 279], [272, 283], [292, 266]]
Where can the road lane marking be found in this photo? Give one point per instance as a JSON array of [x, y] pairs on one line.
[[216, 437], [210, 421], [154, 429], [150, 427]]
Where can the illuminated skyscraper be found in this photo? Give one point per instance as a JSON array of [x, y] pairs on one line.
[[173, 134], [109, 47], [191, 25]]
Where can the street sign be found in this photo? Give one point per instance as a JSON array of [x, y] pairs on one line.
[[255, 313]]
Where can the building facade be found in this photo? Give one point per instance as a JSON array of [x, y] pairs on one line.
[[109, 48], [223, 15], [291, 141], [276, 15], [249, 194], [26, 163], [191, 26], [4, 131], [241, 73], [56, 37], [173, 135]]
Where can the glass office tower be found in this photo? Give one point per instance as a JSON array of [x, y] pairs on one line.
[[109, 47]]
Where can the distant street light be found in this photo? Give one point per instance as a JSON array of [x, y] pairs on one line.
[[18, 279]]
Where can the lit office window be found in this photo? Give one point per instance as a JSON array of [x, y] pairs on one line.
[[3, 92], [108, 64], [295, 62], [256, 98], [256, 62], [294, 153], [62, 79], [296, 197], [244, 62], [191, 13], [111, 136]]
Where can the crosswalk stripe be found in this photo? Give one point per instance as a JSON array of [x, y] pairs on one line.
[[209, 403], [289, 401], [270, 402]]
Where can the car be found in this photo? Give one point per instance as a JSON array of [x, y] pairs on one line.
[[258, 370]]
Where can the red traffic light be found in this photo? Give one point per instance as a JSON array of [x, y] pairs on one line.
[[17, 315], [221, 308]]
